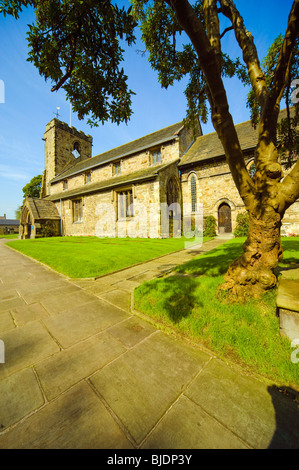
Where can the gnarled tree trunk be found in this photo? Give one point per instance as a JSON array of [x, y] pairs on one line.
[[252, 273]]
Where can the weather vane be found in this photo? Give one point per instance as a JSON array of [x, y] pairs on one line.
[[57, 113]]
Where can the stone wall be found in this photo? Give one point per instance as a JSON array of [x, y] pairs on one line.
[[60, 140]]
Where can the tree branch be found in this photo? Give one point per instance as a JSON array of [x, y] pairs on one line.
[[212, 27], [250, 56], [230, 28], [289, 187], [222, 119], [272, 105]]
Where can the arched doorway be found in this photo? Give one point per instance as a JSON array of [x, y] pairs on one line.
[[224, 218]]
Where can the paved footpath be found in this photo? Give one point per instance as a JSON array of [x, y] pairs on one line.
[[82, 371]]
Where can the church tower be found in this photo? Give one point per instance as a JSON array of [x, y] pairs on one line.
[[64, 147]]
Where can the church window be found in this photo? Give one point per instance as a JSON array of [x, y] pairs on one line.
[[87, 178], [77, 210], [125, 204], [156, 156], [193, 192], [117, 168]]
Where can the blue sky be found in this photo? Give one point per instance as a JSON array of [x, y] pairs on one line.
[[29, 104]]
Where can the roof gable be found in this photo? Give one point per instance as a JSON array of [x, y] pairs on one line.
[[209, 146]]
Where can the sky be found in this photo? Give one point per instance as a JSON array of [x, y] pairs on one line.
[[27, 103]]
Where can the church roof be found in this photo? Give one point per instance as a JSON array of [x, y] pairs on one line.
[[149, 141], [4, 222], [42, 209], [209, 146], [115, 181]]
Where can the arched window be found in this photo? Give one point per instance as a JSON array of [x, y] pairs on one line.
[[193, 192]]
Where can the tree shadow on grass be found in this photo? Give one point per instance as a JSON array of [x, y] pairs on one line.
[[214, 262], [173, 296]]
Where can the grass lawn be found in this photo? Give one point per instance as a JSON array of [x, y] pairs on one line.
[[11, 235], [247, 334], [81, 257]]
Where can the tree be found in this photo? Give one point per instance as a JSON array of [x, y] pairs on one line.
[[33, 188], [77, 45]]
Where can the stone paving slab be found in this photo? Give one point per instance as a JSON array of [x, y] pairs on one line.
[[198, 431], [131, 331], [25, 346], [76, 420], [21, 394], [62, 370], [79, 323], [256, 413], [6, 322], [65, 300], [28, 313], [118, 297], [141, 385]]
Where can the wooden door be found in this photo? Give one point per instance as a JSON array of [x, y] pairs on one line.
[[224, 219]]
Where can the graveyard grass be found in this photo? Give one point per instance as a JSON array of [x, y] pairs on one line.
[[85, 257]]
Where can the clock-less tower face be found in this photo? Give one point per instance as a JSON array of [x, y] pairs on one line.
[[64, 146]]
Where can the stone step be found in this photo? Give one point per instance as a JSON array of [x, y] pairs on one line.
[[288, 307]]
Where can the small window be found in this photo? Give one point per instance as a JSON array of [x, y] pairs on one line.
[[87, 178], [156, 156], [117, 168], [65, 185], [125, 204], [77, 210]]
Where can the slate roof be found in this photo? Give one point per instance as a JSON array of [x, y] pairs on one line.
[[115, 181], [151, 140], [6, 222], [208, 146], [42, 209]]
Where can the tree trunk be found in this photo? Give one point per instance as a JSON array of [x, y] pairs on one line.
[[252, 274]]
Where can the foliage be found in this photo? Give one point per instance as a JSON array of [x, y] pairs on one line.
[[209, 226], [18, 212], [33, 188], [242, 225], [14, 7], [48, 229]]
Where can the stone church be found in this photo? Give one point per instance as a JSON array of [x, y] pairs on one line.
[[156, 186]]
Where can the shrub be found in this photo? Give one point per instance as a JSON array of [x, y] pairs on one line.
[[209, 226], [242, 225]]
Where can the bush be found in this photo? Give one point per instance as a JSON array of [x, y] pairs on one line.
[[209, 226], [242, 225], [48, 229]]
